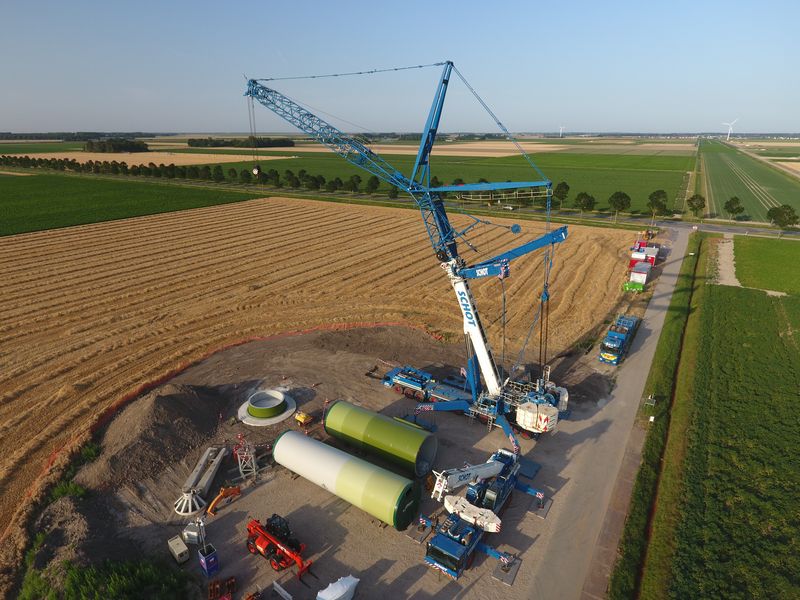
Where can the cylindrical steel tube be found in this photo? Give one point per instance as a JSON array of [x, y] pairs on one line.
[[410, 447], [385, 495]]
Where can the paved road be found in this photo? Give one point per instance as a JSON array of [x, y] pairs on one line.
[[582, 461]]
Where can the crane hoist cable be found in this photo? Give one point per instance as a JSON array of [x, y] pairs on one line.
[[544, 301], [503, 295], [499, 123], [251, 113]]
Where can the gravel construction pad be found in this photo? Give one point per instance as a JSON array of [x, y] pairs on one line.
[[179, 420]]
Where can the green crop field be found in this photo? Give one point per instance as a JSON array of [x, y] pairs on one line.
[[34, 147], [598, 174], [768, 264], [777, 152], [726, 519], [50, 201], [729, 172], [739, 533]]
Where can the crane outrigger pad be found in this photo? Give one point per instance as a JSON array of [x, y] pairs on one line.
[[540, 510], [528, 468], [421, 532], [506, 574]]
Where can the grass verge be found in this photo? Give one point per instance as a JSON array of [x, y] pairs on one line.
[[625, 578], [768, 264], [666, 512], [120, 580]]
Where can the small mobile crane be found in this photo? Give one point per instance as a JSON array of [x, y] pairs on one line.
[[452, 548]]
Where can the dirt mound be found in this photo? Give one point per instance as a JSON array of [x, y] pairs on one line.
[[65, 530], [150, 434], [78, 531]]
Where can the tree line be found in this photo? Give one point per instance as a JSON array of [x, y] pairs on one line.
[[619, 201], [247, 142], [77, 136], [783, 216], [288, 179], [115, 145]]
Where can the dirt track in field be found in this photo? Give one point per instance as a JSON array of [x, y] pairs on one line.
[[794, 166], [486, 149], [89, 313], [500, 149]]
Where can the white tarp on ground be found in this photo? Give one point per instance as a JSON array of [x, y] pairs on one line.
[[343, 589]]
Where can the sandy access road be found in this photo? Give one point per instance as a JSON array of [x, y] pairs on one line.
[[610, 481], [145, 158], [501, 149], [89, 313], [788, 164], [486, 149]]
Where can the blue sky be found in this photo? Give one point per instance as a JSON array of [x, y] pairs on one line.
[[590, 66]]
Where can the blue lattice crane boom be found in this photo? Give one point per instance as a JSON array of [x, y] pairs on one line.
[[440, 230], [443, 236]]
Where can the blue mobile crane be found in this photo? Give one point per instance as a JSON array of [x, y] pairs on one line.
[[525, 402]]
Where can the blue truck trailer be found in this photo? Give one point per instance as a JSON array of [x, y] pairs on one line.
[[421, 386], [618, 339]]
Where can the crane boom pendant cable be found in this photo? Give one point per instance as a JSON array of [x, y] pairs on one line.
[[251, 113], [369, 72]]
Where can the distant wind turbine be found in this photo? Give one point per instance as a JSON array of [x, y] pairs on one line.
[[561, 131], [730, 128]]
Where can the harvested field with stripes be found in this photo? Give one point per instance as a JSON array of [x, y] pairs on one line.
[[89, 314], [729, 172]]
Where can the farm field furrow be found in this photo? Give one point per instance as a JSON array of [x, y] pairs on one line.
[[182, 258], [237, 233], [193, 289], [123, 241], [112, 310], [731, 173]]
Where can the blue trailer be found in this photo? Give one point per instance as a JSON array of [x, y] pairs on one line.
[[618, 339], [421, 386]]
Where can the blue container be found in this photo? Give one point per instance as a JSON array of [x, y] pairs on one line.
[[209, 562]]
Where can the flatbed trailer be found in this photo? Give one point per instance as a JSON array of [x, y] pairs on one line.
[[421, 386]]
